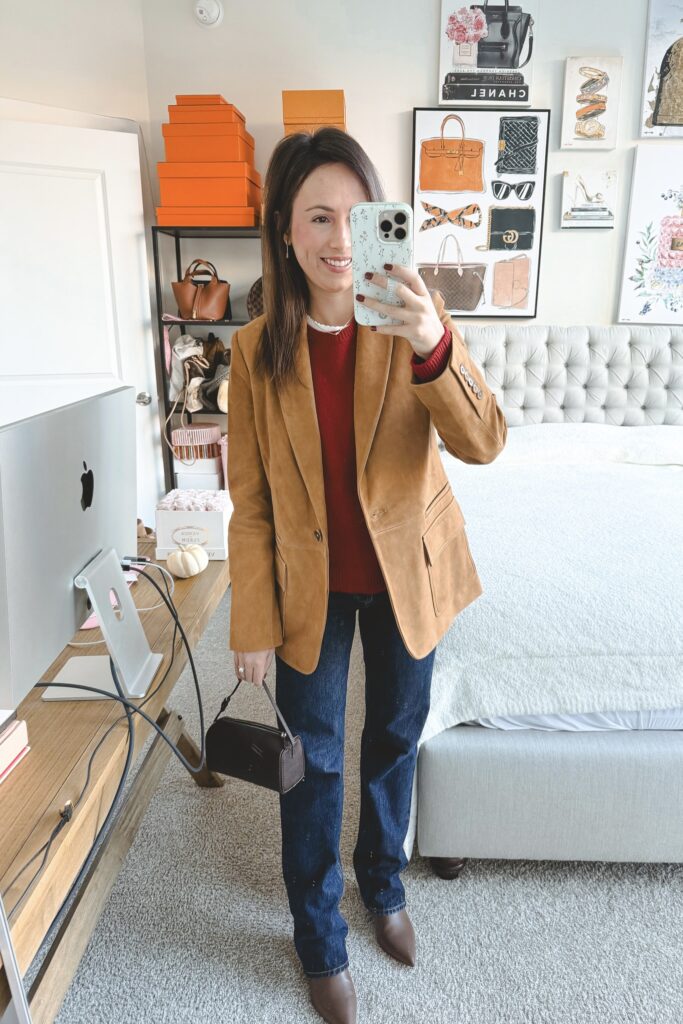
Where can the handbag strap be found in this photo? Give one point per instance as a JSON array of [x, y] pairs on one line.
[[505, 24], [192, 269], [442, 249], [278, 713], [460, 121]]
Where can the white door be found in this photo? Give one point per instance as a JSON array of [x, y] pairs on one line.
[[74, 282]]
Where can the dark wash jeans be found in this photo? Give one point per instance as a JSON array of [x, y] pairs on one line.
[[397, 693]]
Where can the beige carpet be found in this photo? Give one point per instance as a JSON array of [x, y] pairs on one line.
[[197, 928]]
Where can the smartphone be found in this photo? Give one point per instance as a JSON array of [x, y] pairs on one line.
[[380, 233]]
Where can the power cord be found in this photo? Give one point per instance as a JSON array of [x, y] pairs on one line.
[[129, 708]]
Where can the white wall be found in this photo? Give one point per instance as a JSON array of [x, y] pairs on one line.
[[130, 58], [385, 57], [80, 54]]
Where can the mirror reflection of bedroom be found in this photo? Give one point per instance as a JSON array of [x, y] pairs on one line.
[[341, 512]]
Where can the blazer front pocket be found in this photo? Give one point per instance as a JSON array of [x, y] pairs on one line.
[[437, 540], [281, 581]]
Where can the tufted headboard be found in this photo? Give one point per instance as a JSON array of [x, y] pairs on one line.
[[616, 374]]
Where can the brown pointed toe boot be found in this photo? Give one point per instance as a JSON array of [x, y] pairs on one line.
[[395, 934], [334, 997]]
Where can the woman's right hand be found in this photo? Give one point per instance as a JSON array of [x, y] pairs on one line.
[[255, 663]]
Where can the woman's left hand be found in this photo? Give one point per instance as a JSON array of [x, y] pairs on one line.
[[422, 326]]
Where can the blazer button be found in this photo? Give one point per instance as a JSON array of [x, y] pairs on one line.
[[317, 534]]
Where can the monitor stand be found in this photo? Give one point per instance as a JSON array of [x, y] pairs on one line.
[[135, 663]]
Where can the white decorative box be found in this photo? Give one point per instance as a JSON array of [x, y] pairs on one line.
[[202, 481], [202, 474], [195, 523]]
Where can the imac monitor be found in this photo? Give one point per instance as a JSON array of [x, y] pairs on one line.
[[67, 494]]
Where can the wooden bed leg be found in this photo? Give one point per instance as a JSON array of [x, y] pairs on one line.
[[447, 867]]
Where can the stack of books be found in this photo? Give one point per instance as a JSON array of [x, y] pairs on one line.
[[304, 110], [208, 178], [13, 742]]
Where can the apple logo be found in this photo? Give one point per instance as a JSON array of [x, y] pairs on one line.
[[88, 485]]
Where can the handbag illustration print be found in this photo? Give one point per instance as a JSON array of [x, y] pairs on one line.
[[510, 227], [451, 164], [517, 145], [461, 284]]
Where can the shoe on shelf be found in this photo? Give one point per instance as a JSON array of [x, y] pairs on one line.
[[394, 932], [334, 997]]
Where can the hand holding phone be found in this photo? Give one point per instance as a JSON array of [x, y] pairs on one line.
[[381, 232]]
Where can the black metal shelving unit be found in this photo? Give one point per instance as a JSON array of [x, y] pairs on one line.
[[177, 234]]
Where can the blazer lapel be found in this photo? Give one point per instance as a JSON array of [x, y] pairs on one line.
[[297, 401]]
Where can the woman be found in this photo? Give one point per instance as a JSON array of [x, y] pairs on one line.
[[342, 505]]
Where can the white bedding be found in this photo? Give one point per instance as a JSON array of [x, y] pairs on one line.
[[595, 721], [577, 534]]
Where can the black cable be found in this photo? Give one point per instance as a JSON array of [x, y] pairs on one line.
[[129, 709]]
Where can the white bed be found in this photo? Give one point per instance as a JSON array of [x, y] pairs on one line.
[[576, 530]]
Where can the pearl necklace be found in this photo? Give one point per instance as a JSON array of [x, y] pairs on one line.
[[327, 328]]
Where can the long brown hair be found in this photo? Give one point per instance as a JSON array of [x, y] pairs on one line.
[[285, 288]]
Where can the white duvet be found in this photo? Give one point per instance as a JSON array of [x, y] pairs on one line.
[[577, 534]]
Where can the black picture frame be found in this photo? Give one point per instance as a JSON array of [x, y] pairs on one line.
[[481, 124]]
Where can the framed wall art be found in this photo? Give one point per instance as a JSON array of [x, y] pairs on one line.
[[588, 199], [662, 104], [486, 52], [652, 278], [591, 102], [478, 188]]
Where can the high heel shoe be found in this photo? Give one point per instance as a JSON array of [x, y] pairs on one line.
[[334, 997], [597, 197]]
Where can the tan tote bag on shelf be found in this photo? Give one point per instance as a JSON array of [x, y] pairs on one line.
[[452, 164]]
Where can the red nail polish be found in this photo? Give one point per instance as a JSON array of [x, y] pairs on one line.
[[388, 266], [368, 275], [373, 328], [360, 298]]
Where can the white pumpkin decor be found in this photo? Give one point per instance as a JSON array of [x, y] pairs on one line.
[[187, 560]]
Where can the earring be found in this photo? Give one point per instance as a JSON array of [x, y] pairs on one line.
[[287, 254]]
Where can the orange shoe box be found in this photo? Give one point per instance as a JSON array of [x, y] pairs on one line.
[[210, 169], [230, 128], [212, 191], [200, 142], [291, 129], [313, 107], [209, 216], [194, 98], [183, 113]]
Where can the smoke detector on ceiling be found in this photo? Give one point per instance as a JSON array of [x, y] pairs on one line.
[[208, 12]]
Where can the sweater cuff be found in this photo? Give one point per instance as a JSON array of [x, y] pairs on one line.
[[429, 369]]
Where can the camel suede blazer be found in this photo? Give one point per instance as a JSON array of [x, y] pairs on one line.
[[277, 536]]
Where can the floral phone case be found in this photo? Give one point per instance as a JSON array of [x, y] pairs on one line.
[[370, 250]]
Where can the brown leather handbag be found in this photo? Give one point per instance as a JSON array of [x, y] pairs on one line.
[[201, 300], [267, 755], [451, 165]]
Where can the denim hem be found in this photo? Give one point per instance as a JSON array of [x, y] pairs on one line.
[[326, 974], [391, 910]]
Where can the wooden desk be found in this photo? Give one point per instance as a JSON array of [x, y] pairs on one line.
[[62, 735]]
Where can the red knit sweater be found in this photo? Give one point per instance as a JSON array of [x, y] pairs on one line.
[[353, 563]]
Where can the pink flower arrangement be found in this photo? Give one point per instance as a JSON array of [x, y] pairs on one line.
[[467, 25]]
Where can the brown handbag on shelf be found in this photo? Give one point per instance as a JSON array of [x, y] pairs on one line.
[[461, 284], [201, 300], [451, 165]]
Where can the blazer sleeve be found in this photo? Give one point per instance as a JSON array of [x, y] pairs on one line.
[[469, 422], [255, 623]]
